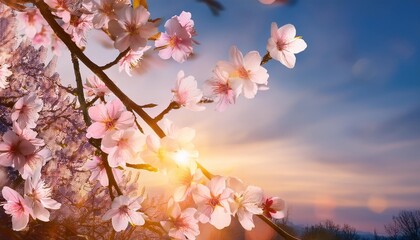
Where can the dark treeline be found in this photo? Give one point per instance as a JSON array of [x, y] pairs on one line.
[[404, 226]]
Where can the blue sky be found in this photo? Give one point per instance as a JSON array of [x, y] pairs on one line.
[[338, 136]]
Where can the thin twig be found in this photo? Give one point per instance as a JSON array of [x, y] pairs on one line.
[[80, 94], [172, 105], [146, 167], [266, 58], [118, 58]]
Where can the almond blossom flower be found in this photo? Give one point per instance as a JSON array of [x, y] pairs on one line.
[[18, 207], [14, 149], [98, 171], [176, 42], [245, 69], [122, 146], [105, 11], [34, 162], [212, 202], [108, 117], [245, 202], [78, 27], [26, 109], [283, 44], [95, 87], [181, 224], [224, 90], [186, 178], [29, 135], [186, 22], [124, 210], [61, 7], [4, 74], [30, 21], [132, 29], [186, 92], [43, 37], [273, 207], [131, 60], [159, 152], [40, 197]]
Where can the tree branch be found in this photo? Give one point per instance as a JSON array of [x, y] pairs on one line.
[[172, 105], [80, 94], [118, 58]]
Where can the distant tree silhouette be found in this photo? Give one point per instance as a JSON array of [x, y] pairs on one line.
[[328, 230], [405, 226]]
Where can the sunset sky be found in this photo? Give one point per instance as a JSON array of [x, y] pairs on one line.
[[337, 137]]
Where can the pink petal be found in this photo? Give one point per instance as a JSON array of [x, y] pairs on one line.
[[220, 218], [40, 212], [296, 46], [286, 33], [217, 185], [19, 222], [120, 222]]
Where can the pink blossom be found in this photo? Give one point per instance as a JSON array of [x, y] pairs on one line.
[[186, 178], [18, 207], [62, 8], [212, 202], [246, 69], [28, 134], [186, 92], [30, 21], [108, 117], [177, 41], [131, 60], [186, 22], [132, 28], [34, 162], [124, 210], [78, 27], [159, 152], [95, 87], [26, 111], [43, 37], [283, 44], [98, 171], [181, 224], [39, 196], [123, 146], [224, 90], [14, 149], [273, 207], [4, 74], [245, 202], [105, 11]]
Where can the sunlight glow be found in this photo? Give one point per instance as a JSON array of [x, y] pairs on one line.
[[182, 157]]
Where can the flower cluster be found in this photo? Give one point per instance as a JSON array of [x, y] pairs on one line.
[[122, 146], [22, 150]]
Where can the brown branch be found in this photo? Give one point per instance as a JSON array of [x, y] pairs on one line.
[[266, 58], [118, 58], [146, 167], [111, 178], [172, 105], [278, 229], [80, 94]]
